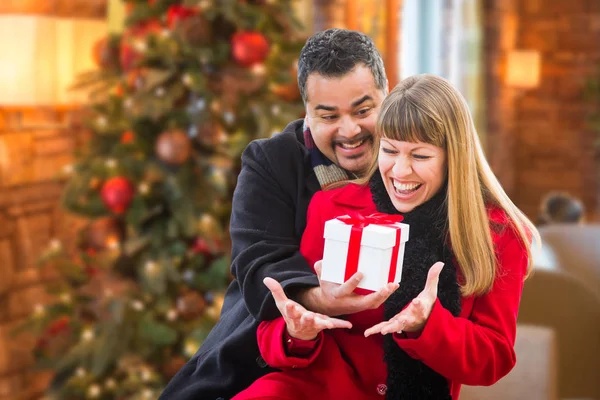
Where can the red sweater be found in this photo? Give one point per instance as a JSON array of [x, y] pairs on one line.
[[475, 348]]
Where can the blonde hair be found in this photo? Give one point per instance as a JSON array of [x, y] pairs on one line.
[[428, 109]]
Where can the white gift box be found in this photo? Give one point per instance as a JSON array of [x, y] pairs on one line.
[[378, 245]]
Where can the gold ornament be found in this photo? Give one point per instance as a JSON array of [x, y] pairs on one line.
[[173, 366], [190, 305], [173, 147]]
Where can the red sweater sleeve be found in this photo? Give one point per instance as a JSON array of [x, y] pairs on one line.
[[274, 348], [312, 244], [478, 350]]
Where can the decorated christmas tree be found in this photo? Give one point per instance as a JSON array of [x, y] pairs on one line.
[[175, 99]]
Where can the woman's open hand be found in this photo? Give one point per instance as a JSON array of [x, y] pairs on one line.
[[415, 315]]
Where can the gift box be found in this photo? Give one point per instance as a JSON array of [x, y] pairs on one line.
[[373, 245]]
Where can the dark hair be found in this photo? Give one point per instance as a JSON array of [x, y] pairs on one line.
[[560, 207], [336, 52]]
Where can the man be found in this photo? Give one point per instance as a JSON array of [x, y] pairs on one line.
[[342, 81]]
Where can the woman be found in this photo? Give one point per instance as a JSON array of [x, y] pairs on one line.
[[444, 326]]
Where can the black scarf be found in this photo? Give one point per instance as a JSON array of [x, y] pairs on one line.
[[410, 379]]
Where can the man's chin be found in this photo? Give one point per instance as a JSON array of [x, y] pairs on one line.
[[358, 170]]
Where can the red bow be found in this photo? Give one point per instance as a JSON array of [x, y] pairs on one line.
[[375, 218], [359, 222]]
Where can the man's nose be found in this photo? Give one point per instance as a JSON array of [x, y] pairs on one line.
[[349, 127]]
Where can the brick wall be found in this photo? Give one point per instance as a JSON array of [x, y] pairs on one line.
[[30, 160], [539, 139], [35, 144], [500, 28]]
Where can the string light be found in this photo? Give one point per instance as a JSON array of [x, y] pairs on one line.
[[137, 305], [66, 298], [146, 375], [171, 315], [110, 383], [110, 163], [187, 80], [151, 268], [144, 188], [39, 310], [94, 391], [68, 169], [101, 121], [259, 70], [140, 45], [55, 245], [87, 335]]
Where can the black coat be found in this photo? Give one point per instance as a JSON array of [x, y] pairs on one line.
[[268, 218]]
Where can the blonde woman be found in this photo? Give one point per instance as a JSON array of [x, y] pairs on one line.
[[453, 319]]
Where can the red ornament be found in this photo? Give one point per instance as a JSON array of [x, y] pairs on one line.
[[41, 343], [92, 271], [249, 48], [201, 246], [59, 325], [119, 90], [129, 56], [178, 13], [117, 194], [127, 137]]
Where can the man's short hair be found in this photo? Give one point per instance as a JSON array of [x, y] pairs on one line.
[[335, 52]]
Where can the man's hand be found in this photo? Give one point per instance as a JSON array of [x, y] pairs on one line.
[[301, 323], [333, 299], [415, 315]]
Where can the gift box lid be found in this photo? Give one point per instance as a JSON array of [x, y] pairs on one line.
[[378, 236]]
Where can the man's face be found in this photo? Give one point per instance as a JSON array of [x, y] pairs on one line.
[[341, 113]]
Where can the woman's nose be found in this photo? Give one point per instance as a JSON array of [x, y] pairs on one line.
[[402, 167]]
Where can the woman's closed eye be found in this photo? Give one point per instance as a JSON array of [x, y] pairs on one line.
[[421, 157]]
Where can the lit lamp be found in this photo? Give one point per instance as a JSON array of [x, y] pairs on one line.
[[27, 60], [523, 69], [75, 40], [40, 57]]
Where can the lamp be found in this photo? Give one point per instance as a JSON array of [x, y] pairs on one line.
[[523, 69], [40, 57], [27, 60], [75, 39]]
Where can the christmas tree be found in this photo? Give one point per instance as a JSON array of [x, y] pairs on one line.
[[175, 99]]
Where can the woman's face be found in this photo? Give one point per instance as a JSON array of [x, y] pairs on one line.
[[412, 172]]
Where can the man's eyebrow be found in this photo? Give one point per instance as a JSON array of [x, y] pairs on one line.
[[354, 104], [324, 107], [361, 100]]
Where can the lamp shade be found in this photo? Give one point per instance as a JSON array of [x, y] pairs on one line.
[[75, 42], [523, 69], [27, 60], [40, 57]]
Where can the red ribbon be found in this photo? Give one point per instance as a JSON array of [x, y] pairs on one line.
[[359, 222]]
